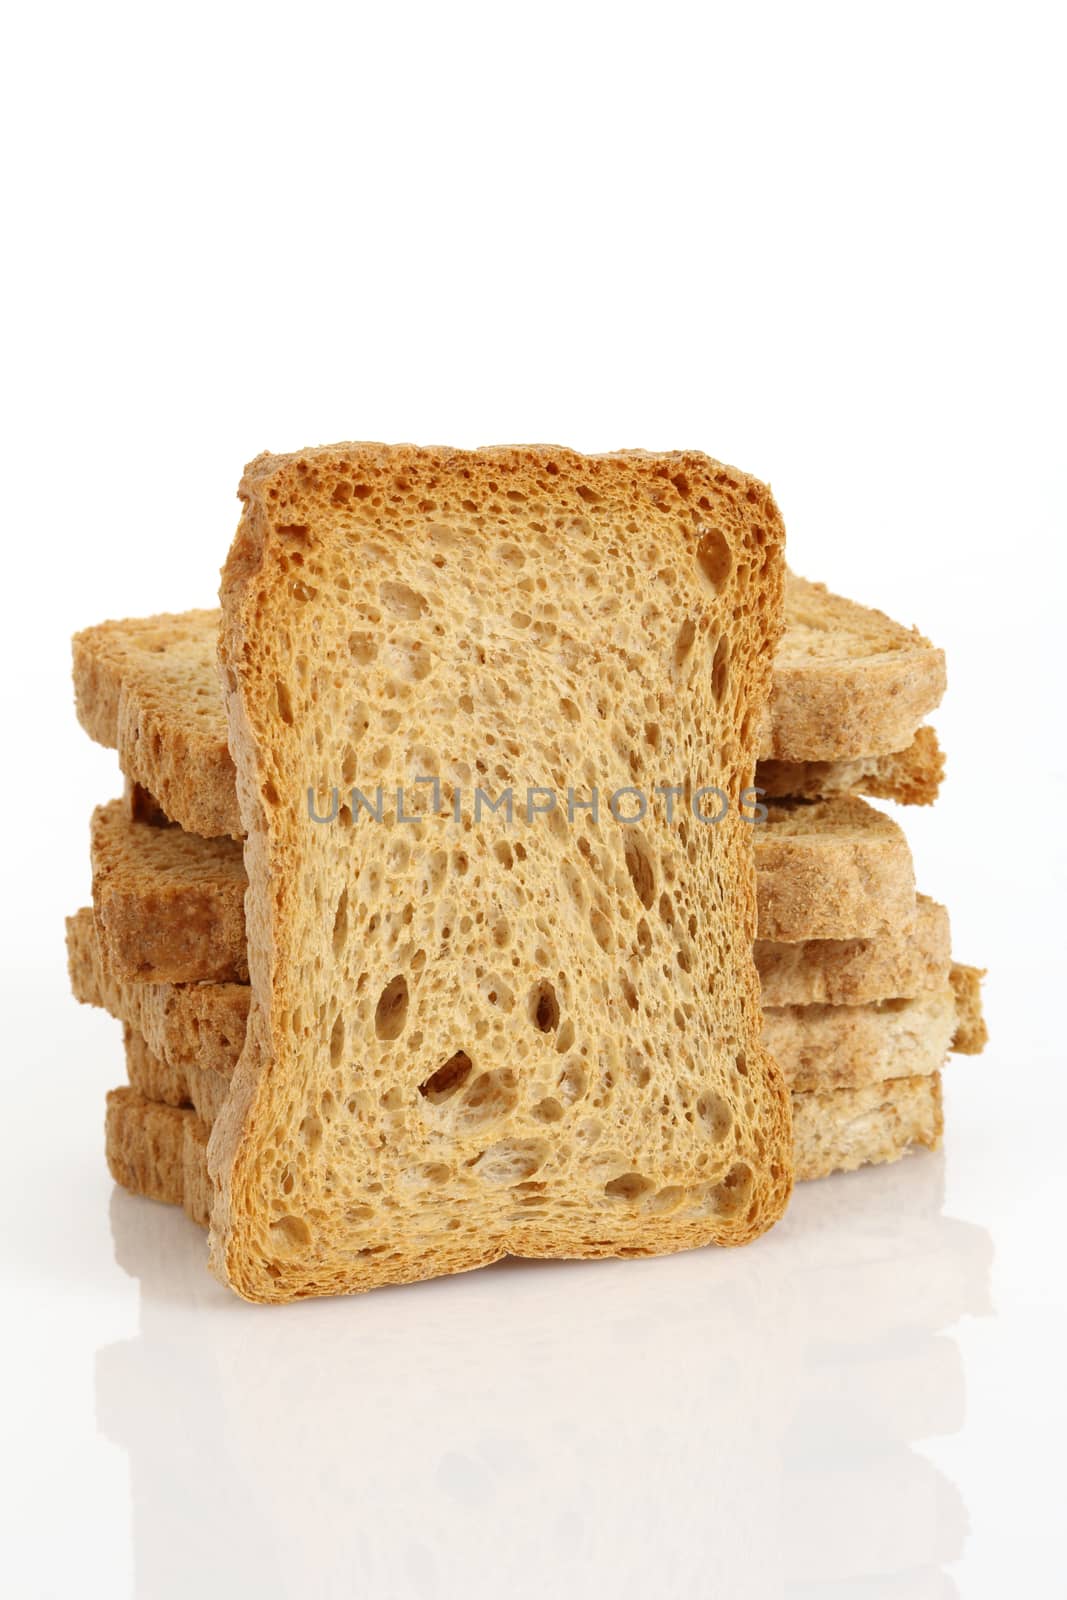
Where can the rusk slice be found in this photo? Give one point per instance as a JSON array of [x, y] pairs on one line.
[[169, 904], [149, 688], [842, 1129], [847, 680], [472, 1041], [895, 965], [832, 869], [834, 1047], [912, 777], [158, 1151], [849, 686], [193, 1027]]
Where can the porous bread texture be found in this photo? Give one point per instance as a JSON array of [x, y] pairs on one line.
[[172, 905], [972, 1035], [911, 777], [895, 965], [832, 869], [158, 1151], [194, 1027], [842, 1129], [148, 687], [161, 1151], [833, 1047], [169, 904], [847, 680], [467, 1042]]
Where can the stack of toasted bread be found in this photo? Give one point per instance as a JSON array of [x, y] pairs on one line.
[[861, 1001]]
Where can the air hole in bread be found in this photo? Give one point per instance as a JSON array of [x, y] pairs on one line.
[[720, 669], [548, 1109], [629, 1186], [732, 1194], [290, 1233], [714, 557], [639, 865], [573, 1082], [715, 1113], [512, 1160], [392, 1010], [491, 1095], [683, 644], [402, 600], [544, 1007], [337, 1040]]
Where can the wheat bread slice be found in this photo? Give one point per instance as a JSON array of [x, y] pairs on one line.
[[898, 964], [832, 869], [192, 1026], [160, 1151], [832, 1047], [841, 1129], [911, 777], [169, 904], [849, 685], [847, 680], [467, 1042], [148, 687]]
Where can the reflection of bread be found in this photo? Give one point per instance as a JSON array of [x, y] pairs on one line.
[[466, 1042]]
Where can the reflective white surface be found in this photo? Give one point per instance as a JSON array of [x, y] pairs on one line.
[[867, 1402]]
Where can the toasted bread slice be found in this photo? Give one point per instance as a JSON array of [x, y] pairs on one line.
[[849, 686], [912, 777], [846, 972], [832, 869], [169, 904], [842, 1129], [160, 1151], [193, 1026], [436, 1071], [848, 681], [835, 1047], [149, 688]]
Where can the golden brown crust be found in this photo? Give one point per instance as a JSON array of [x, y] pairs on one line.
[[508, 567], [169, 905]]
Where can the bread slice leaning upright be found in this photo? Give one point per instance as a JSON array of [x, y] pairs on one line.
[[475, 1037]]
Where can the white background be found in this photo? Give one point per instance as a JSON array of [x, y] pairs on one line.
[[821, 242]]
